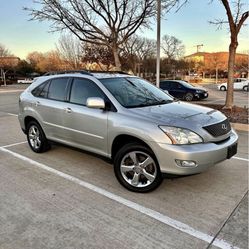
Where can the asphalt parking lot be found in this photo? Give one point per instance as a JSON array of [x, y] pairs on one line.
[[67, 198]]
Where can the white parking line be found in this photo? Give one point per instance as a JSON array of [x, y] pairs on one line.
[[240, 158], [12, 114], [11, 91], [147, 211], [11, 145]]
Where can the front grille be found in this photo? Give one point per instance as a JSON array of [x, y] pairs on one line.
[[218, 129]]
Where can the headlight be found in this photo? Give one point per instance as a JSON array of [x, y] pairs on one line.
[[180, 135], [198, 91]]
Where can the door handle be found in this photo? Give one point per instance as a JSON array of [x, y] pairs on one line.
[[37, 103], [68, 110]]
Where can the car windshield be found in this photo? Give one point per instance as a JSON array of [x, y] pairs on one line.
[[186, 84], [133, 92]]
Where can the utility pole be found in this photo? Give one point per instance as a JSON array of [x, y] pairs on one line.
[[198, 47], [158, 42]]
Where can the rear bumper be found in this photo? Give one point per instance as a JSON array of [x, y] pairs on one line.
[[22, 123], [205, 155]]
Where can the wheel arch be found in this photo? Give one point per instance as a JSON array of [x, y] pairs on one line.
[[123, 139], [27, 120]]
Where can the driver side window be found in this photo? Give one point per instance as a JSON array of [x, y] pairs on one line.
[[82, 89]]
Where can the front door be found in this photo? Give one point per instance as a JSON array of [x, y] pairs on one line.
[[86, 128]]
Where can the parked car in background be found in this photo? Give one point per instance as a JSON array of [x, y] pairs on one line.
[[183, 90], [127, 119], [239, 84], [25, 81]]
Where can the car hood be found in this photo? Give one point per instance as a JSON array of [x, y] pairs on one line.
[[179, 114], [200, 88]]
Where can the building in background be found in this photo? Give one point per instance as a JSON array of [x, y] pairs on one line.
[[215, 64]]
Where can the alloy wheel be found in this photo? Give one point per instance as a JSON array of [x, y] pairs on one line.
[[138, 169], [34, 137]]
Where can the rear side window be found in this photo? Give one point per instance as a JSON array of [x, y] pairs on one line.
[[164, 85], [175, 86], [57, 89], [82, 89]]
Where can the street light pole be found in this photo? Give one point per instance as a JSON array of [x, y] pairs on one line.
[[158, 42]]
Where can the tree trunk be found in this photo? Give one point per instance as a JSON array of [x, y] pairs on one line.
[[4, 78], [231, 61], [116, 58], [216, 74]]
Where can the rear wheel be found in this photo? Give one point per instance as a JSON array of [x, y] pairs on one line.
[[189, 97], [136, 168], [223, 88], [36, 138]]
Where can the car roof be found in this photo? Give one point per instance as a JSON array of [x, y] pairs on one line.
[[110, 75], [95, 75], [181, 81], [39, 80]]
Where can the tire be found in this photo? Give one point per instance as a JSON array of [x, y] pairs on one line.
[[135, 176], [223, 88], [245, 88], [36, 138], [189, 97]]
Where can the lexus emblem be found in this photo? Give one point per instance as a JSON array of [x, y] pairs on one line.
[[224, 127]]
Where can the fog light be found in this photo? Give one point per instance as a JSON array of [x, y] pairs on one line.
[[186, 163]]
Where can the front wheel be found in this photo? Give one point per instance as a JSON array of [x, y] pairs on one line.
[[189, 97], [137, 169], [223, 88]]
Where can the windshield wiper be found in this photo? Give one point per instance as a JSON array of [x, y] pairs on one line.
[[158, 102], [162, 102]]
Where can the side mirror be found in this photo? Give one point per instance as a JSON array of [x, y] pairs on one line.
[[95, 103]]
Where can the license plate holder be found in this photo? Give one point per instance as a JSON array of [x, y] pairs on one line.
[[232, 150]]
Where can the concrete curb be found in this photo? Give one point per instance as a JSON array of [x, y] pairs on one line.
[[240, 127]]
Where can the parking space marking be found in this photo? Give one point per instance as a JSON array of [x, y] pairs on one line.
[[135, 206], [12, 114], [11, 91], [11, 145], [240, 158]]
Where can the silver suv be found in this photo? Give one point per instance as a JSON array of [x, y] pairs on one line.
[[125, 118]]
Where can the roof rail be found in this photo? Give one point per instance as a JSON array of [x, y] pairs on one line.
[[67, 72], [110, 72]]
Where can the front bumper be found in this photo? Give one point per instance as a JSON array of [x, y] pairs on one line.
[[205, 155], [201, 95]]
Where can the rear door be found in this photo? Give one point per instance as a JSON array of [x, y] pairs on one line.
[[50, 105], [165, 85], [86, 127]]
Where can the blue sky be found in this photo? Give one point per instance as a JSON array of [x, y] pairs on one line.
[[190, 25]]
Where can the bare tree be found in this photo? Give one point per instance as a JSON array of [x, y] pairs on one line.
[[70, 49], [101, 55], [5, 62], [4, 51], [172, 47], [235, 18], [44, 62], [102, 22], [137, 49]]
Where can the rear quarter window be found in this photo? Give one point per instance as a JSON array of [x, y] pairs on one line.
[[41, 90]]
